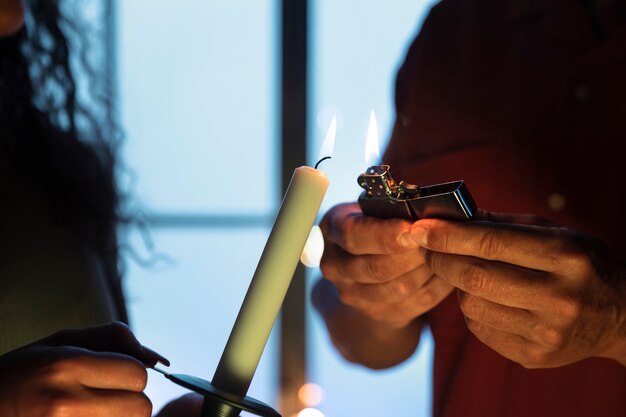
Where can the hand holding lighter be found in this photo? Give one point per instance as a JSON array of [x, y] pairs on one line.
[[385, 198]]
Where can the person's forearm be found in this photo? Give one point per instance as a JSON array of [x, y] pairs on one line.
[[361, 339]]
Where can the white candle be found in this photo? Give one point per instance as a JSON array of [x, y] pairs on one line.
[[271, 280]]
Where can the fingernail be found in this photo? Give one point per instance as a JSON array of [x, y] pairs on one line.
[[419, 235], [406, 241], [158, 357]]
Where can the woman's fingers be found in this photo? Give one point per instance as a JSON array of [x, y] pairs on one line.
[[99, 370], [90, 402], [112, 337]]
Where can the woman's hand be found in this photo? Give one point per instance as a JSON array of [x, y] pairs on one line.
[[96, 371]]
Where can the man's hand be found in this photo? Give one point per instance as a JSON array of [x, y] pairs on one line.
[[377, 267], [542, 296], [97, 371]]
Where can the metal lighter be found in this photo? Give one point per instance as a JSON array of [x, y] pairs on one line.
[[385, 198]]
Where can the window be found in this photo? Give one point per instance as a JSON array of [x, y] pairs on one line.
[[197, 98]]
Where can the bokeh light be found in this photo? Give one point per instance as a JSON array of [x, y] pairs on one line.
[[310, 412], [310, 394], [314, 248]]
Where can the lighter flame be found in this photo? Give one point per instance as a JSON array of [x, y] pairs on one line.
[[329, 140], [372, 152]]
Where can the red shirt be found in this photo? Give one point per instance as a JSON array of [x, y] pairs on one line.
[[527, 103]]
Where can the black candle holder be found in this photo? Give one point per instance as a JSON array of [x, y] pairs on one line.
[[218, 402]]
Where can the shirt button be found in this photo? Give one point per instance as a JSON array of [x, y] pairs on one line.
[[556, 202], [582, 91], [403, 119]]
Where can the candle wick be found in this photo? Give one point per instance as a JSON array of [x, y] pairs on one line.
[[321, 160]]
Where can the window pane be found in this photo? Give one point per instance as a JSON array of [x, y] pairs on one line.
[[197, 94], [356, 51], [197, 85], [185, 304], [353, 390]]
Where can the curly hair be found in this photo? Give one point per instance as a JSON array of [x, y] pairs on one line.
[[60, 137]]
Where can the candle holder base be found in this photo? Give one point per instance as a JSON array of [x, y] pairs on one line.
[[220, 403]]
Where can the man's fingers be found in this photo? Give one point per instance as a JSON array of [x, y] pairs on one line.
[[513, 346], [534, 247], [345, 226], [494, 281], [99, 370], [338, 264], [401, 313], [433, 292], [394, 290], [507, 319]]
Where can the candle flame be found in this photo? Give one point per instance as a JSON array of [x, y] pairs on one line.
[[372, 152], [329, 140]]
